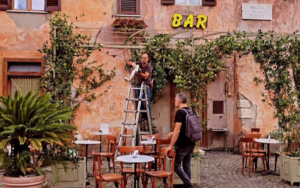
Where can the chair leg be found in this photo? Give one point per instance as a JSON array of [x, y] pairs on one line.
[[165, 182], [250, 166], [113, 160], [108, 161], [153, 182], [276, 157], [96, 184], [243, 159]]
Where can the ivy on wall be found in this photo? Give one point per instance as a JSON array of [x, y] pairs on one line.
[[67, 62]]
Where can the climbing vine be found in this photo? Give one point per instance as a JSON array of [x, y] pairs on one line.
[[70, 77]]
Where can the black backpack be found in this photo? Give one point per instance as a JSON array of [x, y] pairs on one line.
[[193, 126]]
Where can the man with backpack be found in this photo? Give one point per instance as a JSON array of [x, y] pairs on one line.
[[186, 132]]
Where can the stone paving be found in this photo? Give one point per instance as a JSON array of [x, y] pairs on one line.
[[219, 170]]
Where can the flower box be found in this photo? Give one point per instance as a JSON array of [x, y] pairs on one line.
[[195, 169], [74, 177], [290, 169]]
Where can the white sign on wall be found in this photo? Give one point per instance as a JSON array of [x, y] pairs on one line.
[[257, 11]]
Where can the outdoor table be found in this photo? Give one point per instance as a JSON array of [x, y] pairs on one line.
[[135, 161], [213, 131], [268, 142], [87, 143], [100, 134], [149, 142]]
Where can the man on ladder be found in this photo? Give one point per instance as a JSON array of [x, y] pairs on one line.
[[144, 76]]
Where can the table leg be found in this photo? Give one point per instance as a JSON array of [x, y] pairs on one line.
[[155, 161], [100, 143], [135, 176], [86, 162], [268, 153]]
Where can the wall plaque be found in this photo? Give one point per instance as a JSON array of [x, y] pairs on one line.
[[257, 11]]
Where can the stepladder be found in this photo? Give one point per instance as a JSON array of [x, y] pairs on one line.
[[137, 95]]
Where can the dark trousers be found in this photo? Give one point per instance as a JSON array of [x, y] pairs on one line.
[[184, 156]]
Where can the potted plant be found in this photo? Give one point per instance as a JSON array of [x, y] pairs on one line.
[[74, 175], [129, 26], [30, 120], [195, 168], [290, 154]]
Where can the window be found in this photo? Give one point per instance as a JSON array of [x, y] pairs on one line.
[[218, 107], [129, 7], [22, 75], [30, 5], [189, 2]]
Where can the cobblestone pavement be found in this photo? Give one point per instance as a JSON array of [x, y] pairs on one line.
[[218, 170]]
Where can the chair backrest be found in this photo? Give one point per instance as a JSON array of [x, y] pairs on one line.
[[149, 136], [255, 130], [246, 144], [126, 150], [170, 154], [111, 144], [252, 135], [97, 161], [160, 142]]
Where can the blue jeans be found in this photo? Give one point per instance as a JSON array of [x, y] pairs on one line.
[[137, 95], [184, 156]]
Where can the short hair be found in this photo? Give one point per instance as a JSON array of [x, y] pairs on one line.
[[182, 97], [145, 53]]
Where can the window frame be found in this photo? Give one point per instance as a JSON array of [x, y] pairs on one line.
[[29, 7], [7, 74], [189, 3], [127, 14]]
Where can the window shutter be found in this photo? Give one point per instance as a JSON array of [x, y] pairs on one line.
[[52, 5], [218, 107], [209, 2], [167, 2], [5, 4], [129, 7]]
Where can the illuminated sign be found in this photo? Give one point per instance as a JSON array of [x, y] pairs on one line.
[[189, 22]]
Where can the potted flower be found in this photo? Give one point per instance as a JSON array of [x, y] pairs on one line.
[[195, 168], [30, 120], [128, 26], [290, 153], [71, 172]]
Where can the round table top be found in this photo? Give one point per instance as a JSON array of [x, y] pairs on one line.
[[148, 142], [99, 133], [267, 141], [139, 159], [87, 142]]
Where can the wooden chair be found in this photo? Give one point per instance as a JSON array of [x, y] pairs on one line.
[[147, 137], [111, 150], [126, 150], [165, 175], [256, 146], [100, 178], [246, 146], [255, 130], [160, 156]]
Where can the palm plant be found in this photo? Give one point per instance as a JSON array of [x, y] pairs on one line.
[[31, 120]]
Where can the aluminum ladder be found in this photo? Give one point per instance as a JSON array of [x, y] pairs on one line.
[[138, 103]]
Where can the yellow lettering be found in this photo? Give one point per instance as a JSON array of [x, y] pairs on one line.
[[202, 19], [189, 21], [176, 20]]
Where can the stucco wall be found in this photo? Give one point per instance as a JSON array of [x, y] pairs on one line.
[[22, 34]]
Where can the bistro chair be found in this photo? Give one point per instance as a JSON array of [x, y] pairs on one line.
[[160, 156], [246, 151], [255, 130], [256, 146], [165, 175], [127, 150], [100, 178], [111, 150]]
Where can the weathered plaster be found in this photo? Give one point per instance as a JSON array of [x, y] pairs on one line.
[[29, 20]]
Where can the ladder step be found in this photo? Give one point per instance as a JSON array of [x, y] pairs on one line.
[[135, 111], [127, 135], [144, 132], [125, 123], [134, 99], [135, 88]]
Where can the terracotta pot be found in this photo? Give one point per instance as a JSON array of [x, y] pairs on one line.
[[24, 182]]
